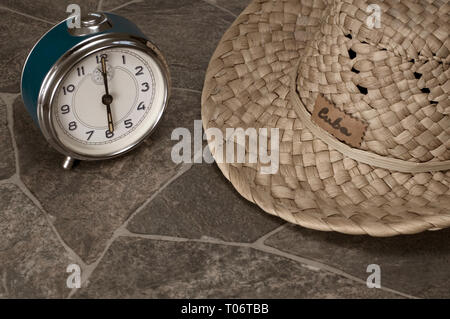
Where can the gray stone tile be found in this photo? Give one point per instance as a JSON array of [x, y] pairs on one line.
[[18, 35], [203, 203], [91, 201], [418, 265], [139, 268], [108, 5], [32, 261], [234, 6], [7, 160], [187, 31], [50, 10]]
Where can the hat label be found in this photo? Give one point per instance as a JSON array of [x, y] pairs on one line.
[[341, 125]]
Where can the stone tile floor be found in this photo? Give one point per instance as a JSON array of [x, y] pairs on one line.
[[143, 227]]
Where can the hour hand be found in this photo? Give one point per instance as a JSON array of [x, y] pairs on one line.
[[107, 100], [110, 119]]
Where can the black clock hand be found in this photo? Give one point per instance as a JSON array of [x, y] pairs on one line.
[[107, 98], [110, 119]]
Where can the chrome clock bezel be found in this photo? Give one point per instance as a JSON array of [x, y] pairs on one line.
[[57, 73]]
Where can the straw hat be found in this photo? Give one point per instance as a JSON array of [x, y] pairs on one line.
[[283, 62]]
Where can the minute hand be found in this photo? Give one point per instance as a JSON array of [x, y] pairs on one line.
[[105, 75], [107, 98]]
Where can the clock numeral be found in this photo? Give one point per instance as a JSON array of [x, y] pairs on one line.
[[128, 123], [109, 134], [124, 59], [73, 126], [139, 70], [69, 89], [99, 58], [90, 133], [141, 106], [65, 109], [80, 71], [146, 87]]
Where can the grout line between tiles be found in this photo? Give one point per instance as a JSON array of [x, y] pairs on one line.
[[26, 15], [258, 245], [100, 5], [214, 4], [9, 101], [121, 230], [263, 238], [124, 5], [16, 180], [186, 90], [311, 264], [181, 172], [72, 255]]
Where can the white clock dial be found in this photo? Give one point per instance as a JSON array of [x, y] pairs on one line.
[[136, 96]]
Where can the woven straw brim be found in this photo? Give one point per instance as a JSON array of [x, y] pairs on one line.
[[249, 84]]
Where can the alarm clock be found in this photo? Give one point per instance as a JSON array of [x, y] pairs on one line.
[[95, 91]]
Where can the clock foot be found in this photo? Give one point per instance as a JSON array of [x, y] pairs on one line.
[[68, 163]]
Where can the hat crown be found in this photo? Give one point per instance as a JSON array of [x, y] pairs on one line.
[[385, 64]]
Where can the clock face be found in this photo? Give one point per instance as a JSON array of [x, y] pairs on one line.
[[109, 101]]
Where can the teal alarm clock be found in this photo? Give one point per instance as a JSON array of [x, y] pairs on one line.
[[96, 91]]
